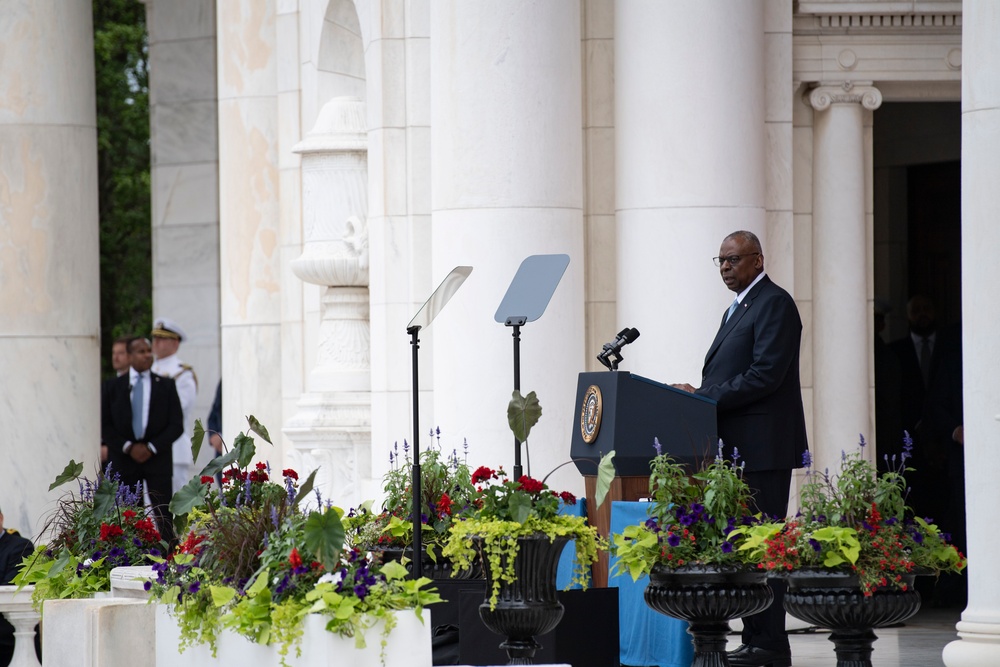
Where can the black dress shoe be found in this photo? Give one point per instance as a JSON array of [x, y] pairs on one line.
[[754, 656]]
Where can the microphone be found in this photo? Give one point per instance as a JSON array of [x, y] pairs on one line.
[[611, 355]]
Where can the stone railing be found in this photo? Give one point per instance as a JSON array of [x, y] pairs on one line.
[[15, 605]]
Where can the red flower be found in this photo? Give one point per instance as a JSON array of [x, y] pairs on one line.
[[530, 485], [147, 530], [207, 479], [128, 515], [568, 498], [444, 506], [109, 532], [294, 558], [190, 545], [482, 474], [261, 466], [288, 472]]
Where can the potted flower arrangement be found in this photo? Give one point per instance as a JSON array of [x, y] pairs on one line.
[[856, 523], [102, 527], [514, 526], [691, 548], [255, 562], [852, 551], [446, 490]]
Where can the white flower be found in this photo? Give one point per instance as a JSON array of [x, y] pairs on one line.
[[332, 577], [88, 562]]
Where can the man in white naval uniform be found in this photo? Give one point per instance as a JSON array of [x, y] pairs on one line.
[[167, 338]]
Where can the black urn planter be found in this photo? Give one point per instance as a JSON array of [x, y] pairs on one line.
[[834, 600], [528, 606], [707, 598]]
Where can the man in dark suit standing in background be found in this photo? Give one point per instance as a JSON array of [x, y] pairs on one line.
[[752, 372], [142, 419]]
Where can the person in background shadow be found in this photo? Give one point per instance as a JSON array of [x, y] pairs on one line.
[[888, 408], [120, 365], [143, 418], [214, 425], [752, 372], [13, 549]]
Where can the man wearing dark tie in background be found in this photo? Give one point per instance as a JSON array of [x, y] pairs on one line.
[[142, 419], [752, 372]]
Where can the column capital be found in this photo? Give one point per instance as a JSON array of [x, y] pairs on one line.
[[846, 92]]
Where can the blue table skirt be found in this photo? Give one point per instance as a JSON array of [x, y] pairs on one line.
[[647, 637]]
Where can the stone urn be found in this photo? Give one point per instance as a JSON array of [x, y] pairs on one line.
[[708, 597]]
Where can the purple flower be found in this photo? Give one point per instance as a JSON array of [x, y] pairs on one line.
[[807, 459], [673, 539], [861, 440], [736, 454], [727, 548], [274, 517], [815, 545], [907, 447], [361, 591], [146, 586], [657, 446], [194, 587]]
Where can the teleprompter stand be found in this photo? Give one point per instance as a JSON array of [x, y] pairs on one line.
[[526, 299], [422, 320]]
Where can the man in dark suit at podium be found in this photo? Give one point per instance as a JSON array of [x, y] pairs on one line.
[[752, 371]]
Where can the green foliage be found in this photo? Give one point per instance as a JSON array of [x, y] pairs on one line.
[[857, 522], [123, 163], [324, 537], [694, 519], [103, 527], [72, 471], [605, 476], [523, 412]]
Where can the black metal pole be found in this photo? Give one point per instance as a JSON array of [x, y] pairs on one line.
[[418, 559], [517, 386]]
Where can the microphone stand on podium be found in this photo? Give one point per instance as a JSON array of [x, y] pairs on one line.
[[526, 299], [422, 320], [624, 412]]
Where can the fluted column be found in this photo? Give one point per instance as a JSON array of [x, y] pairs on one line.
[[332, 428], [689, 171], [979, 628], [841, 337], [506, 183], [49, 280]]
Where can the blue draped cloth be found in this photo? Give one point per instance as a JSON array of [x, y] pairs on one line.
[[647, 637], [564, 575]]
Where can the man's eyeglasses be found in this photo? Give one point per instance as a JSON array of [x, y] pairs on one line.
[[732, 259]]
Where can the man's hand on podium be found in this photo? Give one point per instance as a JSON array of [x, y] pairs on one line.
[[685, 387]]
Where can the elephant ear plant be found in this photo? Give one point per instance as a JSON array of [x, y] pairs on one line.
[[505, 509]]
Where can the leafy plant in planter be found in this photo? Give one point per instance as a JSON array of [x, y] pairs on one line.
[[445, 491], [102, 527], [856, 522], [254, 561], [695, 519], [504, 510]]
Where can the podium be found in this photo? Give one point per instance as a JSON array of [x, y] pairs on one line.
[[625, 412]]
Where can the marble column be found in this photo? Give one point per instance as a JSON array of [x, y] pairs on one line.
[[979, 629], [506, 183], [690, 169], [841, 334], [249, 215], [184, 175], [49, 281], [331, 430]]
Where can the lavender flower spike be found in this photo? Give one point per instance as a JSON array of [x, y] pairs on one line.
[[807, 460], [657, 446], [861, 440], [718, 454]]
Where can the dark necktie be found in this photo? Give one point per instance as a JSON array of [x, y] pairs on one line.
[[137, 390], [925, 359]]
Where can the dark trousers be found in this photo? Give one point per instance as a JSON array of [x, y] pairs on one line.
[[767, 629], [160, 485]]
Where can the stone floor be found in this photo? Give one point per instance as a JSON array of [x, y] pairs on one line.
[[918, 643]]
